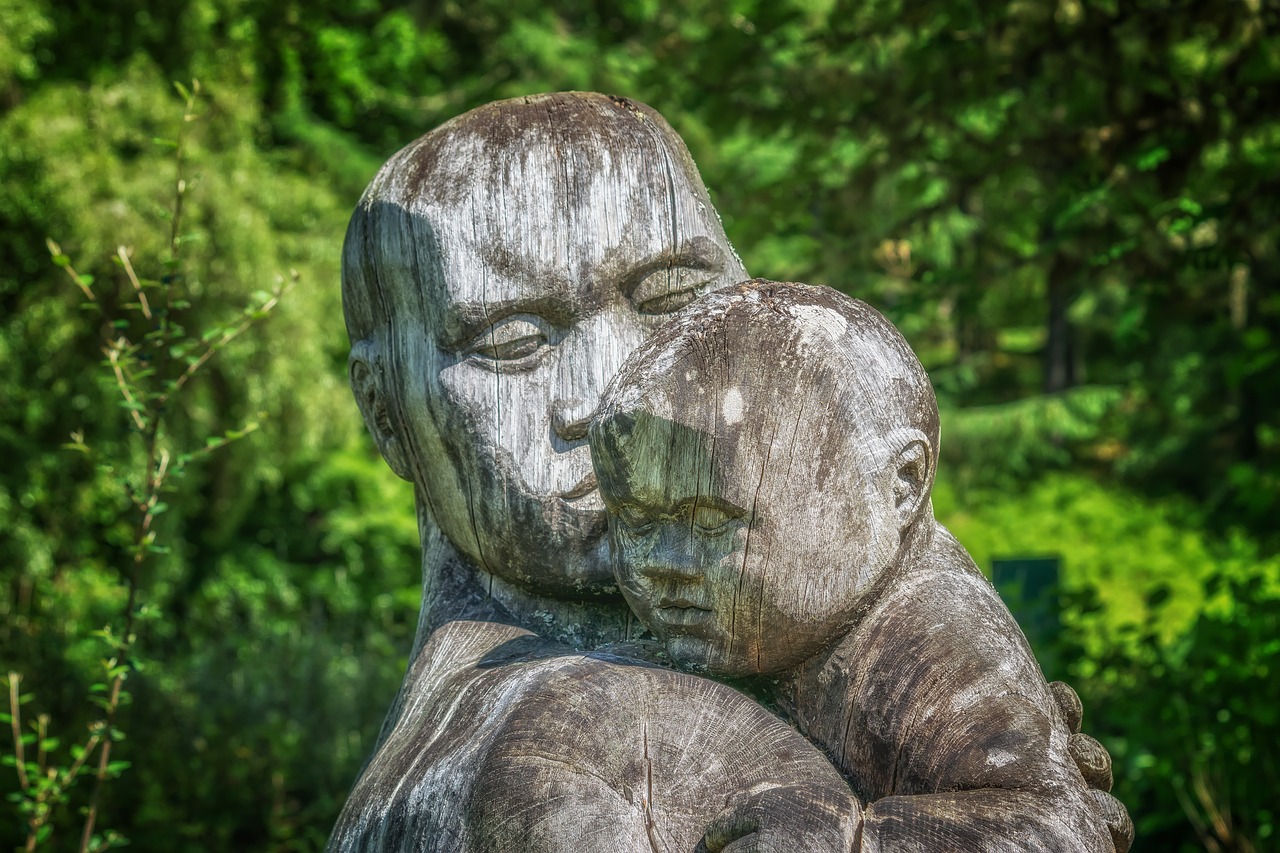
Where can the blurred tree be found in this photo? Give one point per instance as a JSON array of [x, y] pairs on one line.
[[290, 595], [1193, 726]]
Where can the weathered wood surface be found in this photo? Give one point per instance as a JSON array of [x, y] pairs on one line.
[[513, 743], [496, 274]]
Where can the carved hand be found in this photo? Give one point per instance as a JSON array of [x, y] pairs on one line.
[[1095, 765], [792, 817]]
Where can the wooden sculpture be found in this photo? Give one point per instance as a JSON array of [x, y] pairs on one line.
[[496, 274]]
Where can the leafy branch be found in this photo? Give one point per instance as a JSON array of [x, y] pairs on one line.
[[150, 358]]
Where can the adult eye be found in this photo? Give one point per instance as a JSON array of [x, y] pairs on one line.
[[633, 520], [511, 339], [669, 289], [709, 519]]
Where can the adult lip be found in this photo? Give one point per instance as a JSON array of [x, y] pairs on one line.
[[585, 486]]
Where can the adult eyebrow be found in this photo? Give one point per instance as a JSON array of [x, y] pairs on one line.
[[699, 253]]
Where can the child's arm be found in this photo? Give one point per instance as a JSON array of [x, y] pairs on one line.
[[936, 710]]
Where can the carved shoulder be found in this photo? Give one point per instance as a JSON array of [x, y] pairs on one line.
[[936, 689]]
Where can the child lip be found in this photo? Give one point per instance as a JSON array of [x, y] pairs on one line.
[[682, 612]]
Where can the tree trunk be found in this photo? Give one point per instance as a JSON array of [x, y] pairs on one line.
[[1060, 345]]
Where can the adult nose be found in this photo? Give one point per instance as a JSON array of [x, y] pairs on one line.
[[591, 357], [569, 417]]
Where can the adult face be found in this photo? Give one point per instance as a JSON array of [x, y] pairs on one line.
[[546, 239]]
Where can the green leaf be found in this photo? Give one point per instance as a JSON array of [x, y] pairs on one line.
[[1153, 158]]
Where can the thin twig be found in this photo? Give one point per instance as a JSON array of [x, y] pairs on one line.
[[113, 703], [42, 730], [157, 481], [113, 356], [56, 251], [213, 346], [180, 183], [123, 255], [76, 766], [15, 711]]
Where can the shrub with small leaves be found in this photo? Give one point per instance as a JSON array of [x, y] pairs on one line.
[[150, 357]]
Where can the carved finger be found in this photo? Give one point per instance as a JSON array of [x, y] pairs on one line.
[[748, 844], [1118, 820], [1068, 703], [1093, 760], [792, 817]]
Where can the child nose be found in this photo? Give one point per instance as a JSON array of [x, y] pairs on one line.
[[672, 558]]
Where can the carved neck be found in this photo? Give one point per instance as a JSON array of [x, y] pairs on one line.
[[453, 588]]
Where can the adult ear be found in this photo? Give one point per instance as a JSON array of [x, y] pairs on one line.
[[368, 383], [913, 467]]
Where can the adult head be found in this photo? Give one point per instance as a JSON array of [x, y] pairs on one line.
[[495, 274], [764, 457]]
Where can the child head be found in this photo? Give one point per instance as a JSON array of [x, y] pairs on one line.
[[762, 458]]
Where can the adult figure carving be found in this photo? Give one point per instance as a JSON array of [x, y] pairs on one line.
[[495, 275]]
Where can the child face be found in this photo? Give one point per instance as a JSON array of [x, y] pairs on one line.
[[745, 546]]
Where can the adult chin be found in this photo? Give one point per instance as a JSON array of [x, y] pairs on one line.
[[555, 548]]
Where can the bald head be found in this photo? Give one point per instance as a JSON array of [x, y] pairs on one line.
[[495, 274], [764, 457], [518, 186]]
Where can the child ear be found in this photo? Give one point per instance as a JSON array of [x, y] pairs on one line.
[[913, 474], [367, 383]]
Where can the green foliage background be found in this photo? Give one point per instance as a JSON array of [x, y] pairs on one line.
[[1070, 208]]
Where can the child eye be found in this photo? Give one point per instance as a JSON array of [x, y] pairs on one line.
[[709, 519], [512, 339], [669, 289]]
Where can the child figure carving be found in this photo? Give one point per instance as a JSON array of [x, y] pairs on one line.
[[766, 459]]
